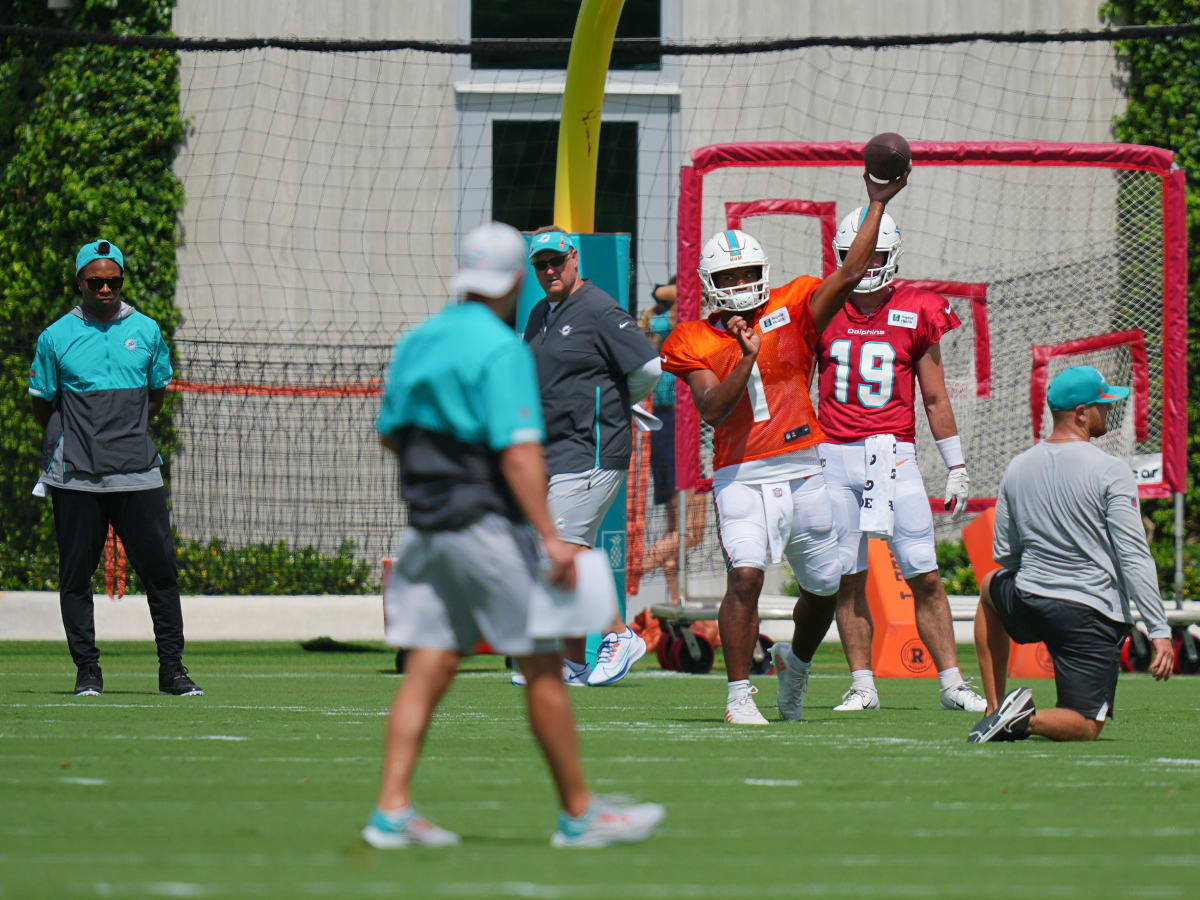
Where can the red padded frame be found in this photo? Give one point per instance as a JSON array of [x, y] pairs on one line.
[[1155, 160]]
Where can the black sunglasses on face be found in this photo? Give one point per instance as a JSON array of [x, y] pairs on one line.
[[114, 283], [550, 262]]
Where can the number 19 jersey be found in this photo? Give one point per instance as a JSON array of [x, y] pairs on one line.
[[775, 414], [868, 364]]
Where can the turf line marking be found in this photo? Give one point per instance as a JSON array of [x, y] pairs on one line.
[[773, 782], [85, 781]]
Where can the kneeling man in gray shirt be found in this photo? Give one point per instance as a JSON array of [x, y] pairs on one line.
[[1070, 539]]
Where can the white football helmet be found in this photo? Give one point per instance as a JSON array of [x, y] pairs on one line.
[[733, 249], [887, 242]]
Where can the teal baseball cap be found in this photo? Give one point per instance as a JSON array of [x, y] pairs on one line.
[[100, 249], [557, 241], [1080, 386]]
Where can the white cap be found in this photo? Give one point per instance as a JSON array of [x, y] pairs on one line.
[[493, 260]]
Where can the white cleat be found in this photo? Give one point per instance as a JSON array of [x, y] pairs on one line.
[[857, 699], [391, 831], [617, 654], [962, 697], [742, 710], [608, 822], [793, 683]]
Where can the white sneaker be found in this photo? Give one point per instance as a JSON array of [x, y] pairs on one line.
[[390, 831], [961, 696], [857, 699], [618, 653], [608, 822], [742, 710], [793, 683], [572, 676]]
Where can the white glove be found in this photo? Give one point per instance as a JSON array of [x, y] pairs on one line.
[[958, 489]]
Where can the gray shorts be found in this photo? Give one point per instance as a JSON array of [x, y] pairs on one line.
[[579, 500], [449, 590]]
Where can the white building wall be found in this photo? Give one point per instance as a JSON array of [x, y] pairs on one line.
[[326, 193]]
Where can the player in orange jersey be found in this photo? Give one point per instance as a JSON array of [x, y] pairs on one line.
[[748, 366]]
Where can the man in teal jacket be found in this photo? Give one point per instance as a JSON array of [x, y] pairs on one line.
[[99, 373]]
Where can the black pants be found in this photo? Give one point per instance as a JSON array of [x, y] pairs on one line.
[[81, 521]]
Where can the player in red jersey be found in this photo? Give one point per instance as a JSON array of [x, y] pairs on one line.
[[881, 341], [748, 366]]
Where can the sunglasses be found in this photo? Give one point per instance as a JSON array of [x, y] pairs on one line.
[[550, 262], [95, 284]]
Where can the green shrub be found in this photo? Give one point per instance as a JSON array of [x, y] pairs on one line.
[[213, 568]]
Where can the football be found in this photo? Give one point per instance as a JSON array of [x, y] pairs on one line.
[[887, 156]]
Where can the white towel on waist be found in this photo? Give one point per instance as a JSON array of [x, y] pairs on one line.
[[877, 515]]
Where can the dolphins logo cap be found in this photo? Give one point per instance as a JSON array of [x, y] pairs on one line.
[[558, 241], [100, 249], [492, 261], [1080, 386]]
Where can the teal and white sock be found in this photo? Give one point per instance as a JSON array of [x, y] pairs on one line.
[[863, 679], [738, 688], [391, 819], [950, 677], [574, 826]]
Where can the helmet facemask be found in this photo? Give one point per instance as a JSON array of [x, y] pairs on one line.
[[888, 242], [733, 249]]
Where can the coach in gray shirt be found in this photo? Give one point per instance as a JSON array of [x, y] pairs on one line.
[[1070, 539], [593, 364]]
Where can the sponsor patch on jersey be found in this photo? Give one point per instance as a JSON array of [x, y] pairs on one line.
[[797, 433], [777, 319], [902, 318]]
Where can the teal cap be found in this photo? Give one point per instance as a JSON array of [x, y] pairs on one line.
[[1080, 386], [100, 249], [550, 240]]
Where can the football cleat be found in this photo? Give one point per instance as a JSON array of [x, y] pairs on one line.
[[1010, 721], [960, 696], [793, 682], [857, 699], [741, 709]]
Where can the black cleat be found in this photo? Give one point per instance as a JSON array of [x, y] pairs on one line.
[[1010, 721], [89, 682], [174, 680]]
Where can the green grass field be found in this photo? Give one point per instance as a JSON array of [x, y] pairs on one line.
[[259, 788]]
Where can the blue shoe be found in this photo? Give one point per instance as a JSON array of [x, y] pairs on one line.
[[617, 654], [607, 823], [389, 831]]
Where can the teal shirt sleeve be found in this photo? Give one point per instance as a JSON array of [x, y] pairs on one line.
[[389, 410], [512, 404], [43, 374], [160, 363]]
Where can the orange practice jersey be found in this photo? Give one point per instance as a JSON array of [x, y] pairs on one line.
[[775, 414]]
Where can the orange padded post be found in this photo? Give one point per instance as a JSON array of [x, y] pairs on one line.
[[1024, 660], [897, 650]]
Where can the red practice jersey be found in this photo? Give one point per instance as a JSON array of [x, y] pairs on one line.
[[775, 414], [868, 364]]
